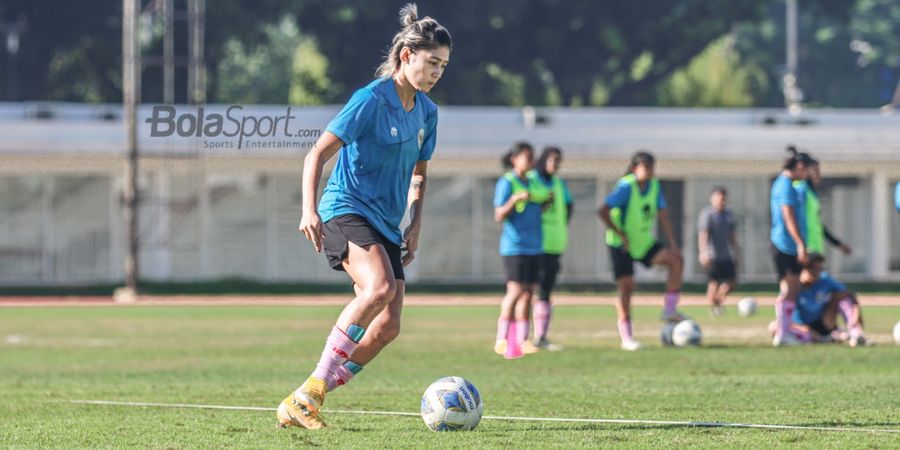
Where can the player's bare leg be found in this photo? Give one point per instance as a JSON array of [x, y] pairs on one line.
[[514, 291], [674, 262], [623, 313], [522, 314], [370, 270]]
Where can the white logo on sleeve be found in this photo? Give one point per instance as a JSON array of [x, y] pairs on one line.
[[394, 131], [421, 137]]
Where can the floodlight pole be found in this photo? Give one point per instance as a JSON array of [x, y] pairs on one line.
[[792, 93], [131, 85]]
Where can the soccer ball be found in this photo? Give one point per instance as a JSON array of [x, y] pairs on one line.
[[666, 334], [686, 333], [897, 333], [451, 404], [746, 307]]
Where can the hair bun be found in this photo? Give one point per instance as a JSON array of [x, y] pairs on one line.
[[409, 14]]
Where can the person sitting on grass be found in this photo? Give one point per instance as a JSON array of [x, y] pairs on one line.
[[821, 300]]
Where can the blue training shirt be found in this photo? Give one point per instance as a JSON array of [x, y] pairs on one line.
[[897, 197], [783, 193], [812, 300], [522, 233], [621, 193], [382, 144]]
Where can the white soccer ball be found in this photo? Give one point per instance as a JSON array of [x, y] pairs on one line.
[[686, 333], [452, 404], [897, 333], [746, 307]]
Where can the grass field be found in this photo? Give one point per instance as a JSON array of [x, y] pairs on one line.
[[255, 355]]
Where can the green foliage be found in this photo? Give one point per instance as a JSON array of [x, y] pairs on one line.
[[285, 66], [256, 355], [715, 78]]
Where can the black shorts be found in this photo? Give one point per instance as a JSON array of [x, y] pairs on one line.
[[623, 263], [522, 268], [785, 264], [819, 327], [722, 271], [354, 228]]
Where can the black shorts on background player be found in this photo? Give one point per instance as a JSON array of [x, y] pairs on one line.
[[342, 230], [522, 268], [623, 263], [785, 263], [722, 271]]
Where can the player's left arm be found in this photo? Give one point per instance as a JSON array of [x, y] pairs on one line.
[[831, 238], [416, 203]]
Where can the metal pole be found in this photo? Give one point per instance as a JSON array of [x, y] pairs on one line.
[[792, 94], [168, 52], [196, 74], [130, 99]]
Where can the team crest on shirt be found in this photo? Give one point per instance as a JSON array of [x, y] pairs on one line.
[[421, 137], [393, 131]]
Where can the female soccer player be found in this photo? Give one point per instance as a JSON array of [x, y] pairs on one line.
[[820, 301], [629, 213], [555, 228], [385, 135], [517, 203], [788, 212], [816, 231], [718, 248]]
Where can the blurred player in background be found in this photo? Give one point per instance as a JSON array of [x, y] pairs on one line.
[[518, 202], [788, 214], [718, 248], [816, 231], [630, 212], [385, 134], [555, 228], [820, 301]]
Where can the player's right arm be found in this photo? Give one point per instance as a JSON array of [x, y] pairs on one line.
[[310, 223]]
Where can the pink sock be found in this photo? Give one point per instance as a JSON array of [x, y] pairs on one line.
[[542, 312], [802, 335], [502, 329], [625, 330], [342, 375], [784, 308], [338, 349], [521, 330], [846, 307], [671, 301]]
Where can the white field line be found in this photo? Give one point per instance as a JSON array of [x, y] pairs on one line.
[[529, 419]]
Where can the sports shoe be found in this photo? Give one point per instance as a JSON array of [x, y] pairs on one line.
[[529, 349], [301, 408], [631, 345], [717, 311], [857, 341], [674, 316], [544, 344], [786, 340], [500, 347]]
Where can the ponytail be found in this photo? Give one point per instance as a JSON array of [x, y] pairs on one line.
[[416, 34]]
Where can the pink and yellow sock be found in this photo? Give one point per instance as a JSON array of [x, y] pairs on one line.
[[670, 300], [521, 330], [502, 329], [846, 307], [342, 375], [625, 330], [542, 312], [338, 348], [784, 308]]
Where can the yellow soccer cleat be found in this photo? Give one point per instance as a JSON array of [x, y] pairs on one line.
[[301, 408], [528, 348], [500, 347]]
